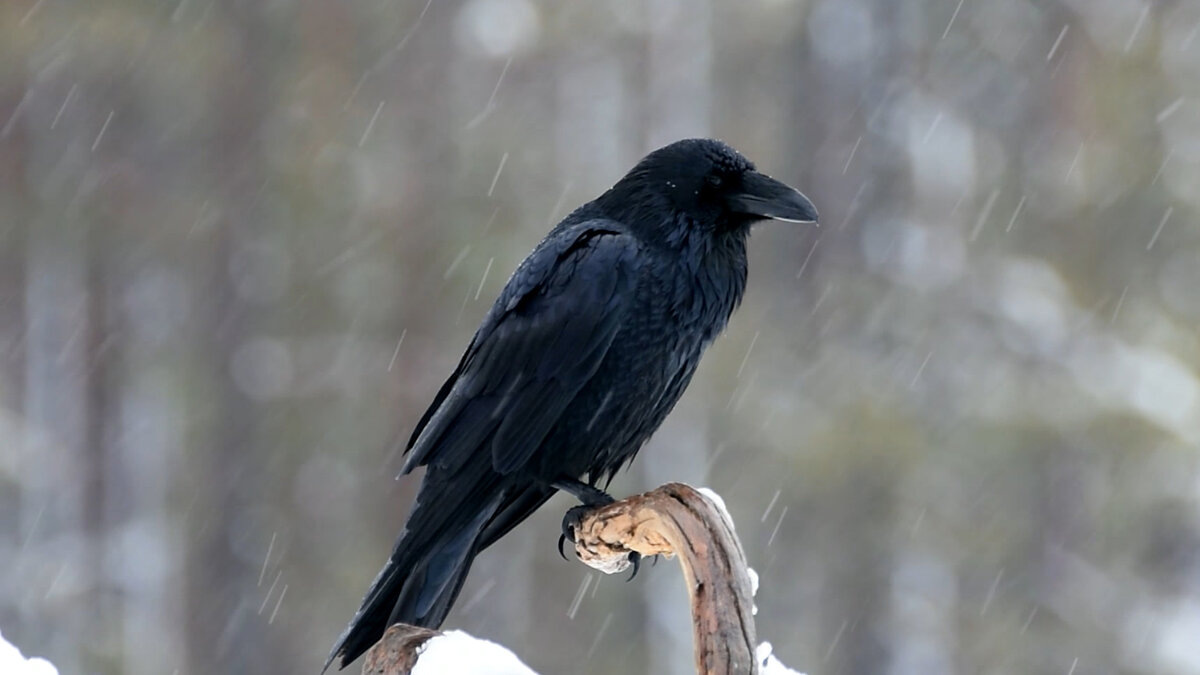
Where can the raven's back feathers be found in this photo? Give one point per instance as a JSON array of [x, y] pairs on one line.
[[534, 351]]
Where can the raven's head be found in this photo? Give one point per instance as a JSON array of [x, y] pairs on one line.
[[707, 184]]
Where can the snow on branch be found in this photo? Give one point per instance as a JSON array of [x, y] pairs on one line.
[[411, 650], [12, 663]]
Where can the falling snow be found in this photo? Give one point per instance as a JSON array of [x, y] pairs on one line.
[[242, 245]]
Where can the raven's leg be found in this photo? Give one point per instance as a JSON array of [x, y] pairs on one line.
[[588, 495], [591, 498]]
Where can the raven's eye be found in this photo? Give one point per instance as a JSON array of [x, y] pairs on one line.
[[713, 180]]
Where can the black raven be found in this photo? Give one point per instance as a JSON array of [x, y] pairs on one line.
[[587, 349]]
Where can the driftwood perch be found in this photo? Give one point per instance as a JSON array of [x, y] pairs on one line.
[[397, 651], [671, 520], [676, 519]]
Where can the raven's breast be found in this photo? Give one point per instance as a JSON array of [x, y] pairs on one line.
[[677, 313]]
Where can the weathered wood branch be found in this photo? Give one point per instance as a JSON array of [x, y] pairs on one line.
[[397, 651], [671, 520], [677, 519]]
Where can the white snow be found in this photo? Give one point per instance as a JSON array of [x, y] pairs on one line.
[[715, 498], [459, 653], [12, 663], [769, 664], [753, 589]]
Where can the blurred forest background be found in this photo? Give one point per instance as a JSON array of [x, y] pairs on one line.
[[242, 243]]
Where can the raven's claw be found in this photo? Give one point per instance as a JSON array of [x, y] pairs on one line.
[[571, 522], [636, 559], [591, 497]]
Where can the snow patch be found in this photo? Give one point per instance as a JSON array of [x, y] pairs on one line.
[[457, 652], [12, 663], [770, 665]]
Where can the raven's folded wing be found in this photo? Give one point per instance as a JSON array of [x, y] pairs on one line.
[[538, 346]]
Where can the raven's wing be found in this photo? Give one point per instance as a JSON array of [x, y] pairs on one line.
[[540, 343]]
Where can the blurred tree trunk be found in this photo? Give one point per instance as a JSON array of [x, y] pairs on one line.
[[55, 395], [224, 631], [855, 603], [15, 211], [99, 413], [856, 590], [17, 208]]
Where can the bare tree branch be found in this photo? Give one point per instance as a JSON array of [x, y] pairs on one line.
[[677, 519], [397, 651]]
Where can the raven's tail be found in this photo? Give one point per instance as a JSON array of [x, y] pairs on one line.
[[425, 573]]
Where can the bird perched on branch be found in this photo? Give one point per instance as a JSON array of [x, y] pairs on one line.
[[589, 346]]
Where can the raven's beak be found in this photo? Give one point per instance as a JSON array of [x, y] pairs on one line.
[[766, 197]]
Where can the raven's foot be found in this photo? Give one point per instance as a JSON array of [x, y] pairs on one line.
[[590, 496], [636, 559], [571, 524]]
